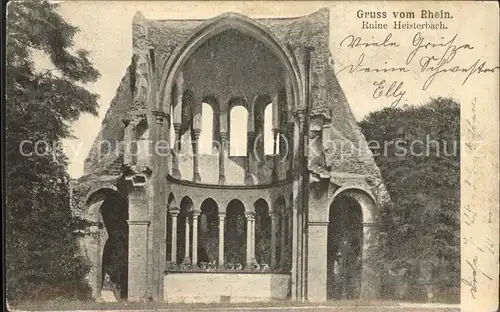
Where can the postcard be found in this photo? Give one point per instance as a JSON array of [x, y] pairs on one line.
[[273, 155]]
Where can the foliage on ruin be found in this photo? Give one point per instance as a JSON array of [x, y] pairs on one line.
[[420, 245], [42, 259]]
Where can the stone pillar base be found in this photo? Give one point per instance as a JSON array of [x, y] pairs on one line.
[[317, 261], [249, 179], [196, 178], [176, 173], [137, 259]]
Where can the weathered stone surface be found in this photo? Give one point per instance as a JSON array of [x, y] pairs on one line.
[[236, 287], [107, 148], [226, 68]]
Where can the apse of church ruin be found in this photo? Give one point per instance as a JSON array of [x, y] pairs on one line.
[[227, 168]]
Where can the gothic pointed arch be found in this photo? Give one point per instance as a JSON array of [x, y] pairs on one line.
[[214, 27]]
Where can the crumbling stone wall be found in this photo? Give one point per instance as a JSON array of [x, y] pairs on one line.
[[104, 156], [337, 148]]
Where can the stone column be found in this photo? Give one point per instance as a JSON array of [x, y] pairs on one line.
[[275, 140], [283, 254], [222, 216], [92, 242], [103, 238], [196, 214], [275, 128], [274, 216], [289, 96], [298, 204], [138, 238], [159, 161], [128, 136], [187, 260], [138, 262], [289, 239], [248, 173], [222, 158], [276, 157], [317, 261], [177, 123], [177, 148], [370, 286], [290, 131], [252, 241], [174, 212], [276, 117], [249, 257], [196, 173]]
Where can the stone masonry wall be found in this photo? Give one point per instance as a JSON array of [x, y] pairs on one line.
[[103, 156]]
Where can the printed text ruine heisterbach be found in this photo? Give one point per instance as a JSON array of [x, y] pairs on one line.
[[403, 25]]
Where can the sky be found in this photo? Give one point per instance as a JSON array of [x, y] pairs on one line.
[[106, 31]]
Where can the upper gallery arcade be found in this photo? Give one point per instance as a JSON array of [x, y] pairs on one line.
[[229, 158]]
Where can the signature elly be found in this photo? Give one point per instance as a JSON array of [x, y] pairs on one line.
[[394, 90]]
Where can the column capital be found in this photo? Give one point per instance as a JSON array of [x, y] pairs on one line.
[[196, 213], [197, 133], [274, 214], [300, 50], [177, 126], [138, 222], [318, 223], [179, 79], [160, 116], [138, 176], [126, 121], [250, 215], [300, 115], [222, 214], [94, 229], [174, 211]]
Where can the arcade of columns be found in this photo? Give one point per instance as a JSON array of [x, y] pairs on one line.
[[279, 221], [140, 229], [279, 128]]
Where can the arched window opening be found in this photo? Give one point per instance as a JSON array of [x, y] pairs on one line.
[[344, 249], [238, 131], [235, 233], [172, 129], [262, 232], [207, 129], [184, 228], [269, 145], [279, 209], [140, 151], [112, 241], [208, 232], [169, 228]]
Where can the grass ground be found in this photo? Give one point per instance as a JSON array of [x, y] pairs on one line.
[[376, 306]]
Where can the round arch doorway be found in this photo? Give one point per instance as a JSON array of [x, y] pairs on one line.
[[114, 212], [344, 249]]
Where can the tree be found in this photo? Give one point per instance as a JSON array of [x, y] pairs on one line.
[[420, 164], [41, 254]]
